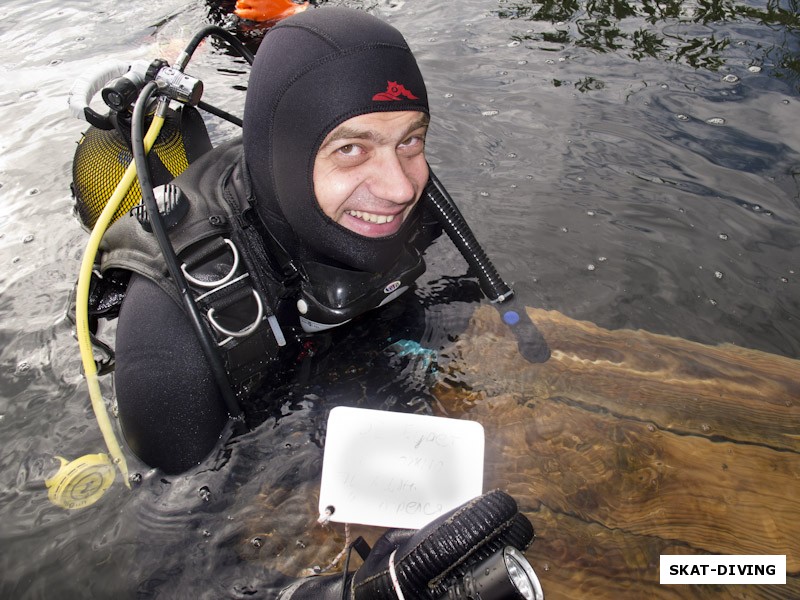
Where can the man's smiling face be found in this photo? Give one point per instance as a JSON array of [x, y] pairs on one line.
[[370, 171]]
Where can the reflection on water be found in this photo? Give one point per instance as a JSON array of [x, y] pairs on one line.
[[674, 30], [632, 164]]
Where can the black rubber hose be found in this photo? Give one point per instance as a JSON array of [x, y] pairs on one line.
[[207, 342], [452, 221], [221, 33], [217, 112], [463, 537]]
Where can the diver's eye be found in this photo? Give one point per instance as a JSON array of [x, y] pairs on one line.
[[350, 150], [412, 145]]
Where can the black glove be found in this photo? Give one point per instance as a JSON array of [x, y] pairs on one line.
[[530, 341], [426, 560]]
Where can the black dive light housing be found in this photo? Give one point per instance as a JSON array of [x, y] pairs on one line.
[[505, 575]]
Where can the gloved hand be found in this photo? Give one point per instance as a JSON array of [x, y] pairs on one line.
[[530, 341], [423, 560]]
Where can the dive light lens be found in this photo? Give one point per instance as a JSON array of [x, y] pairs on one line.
[[522, 575], [505, 575]]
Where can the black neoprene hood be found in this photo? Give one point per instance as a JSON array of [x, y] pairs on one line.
[[312, 72]]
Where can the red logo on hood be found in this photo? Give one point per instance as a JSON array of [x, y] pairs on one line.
[[394, 91]]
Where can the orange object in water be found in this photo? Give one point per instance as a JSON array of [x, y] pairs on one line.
[[267, 10]]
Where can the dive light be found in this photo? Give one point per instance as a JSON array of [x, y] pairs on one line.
[[505, 575]]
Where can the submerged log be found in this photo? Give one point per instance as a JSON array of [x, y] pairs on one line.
[[622, 447], [627, 445]]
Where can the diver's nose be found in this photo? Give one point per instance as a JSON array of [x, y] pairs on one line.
[[392, 179]]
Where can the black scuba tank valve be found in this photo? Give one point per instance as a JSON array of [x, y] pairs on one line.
[[122, 92]]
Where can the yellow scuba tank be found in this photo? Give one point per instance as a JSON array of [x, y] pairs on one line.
[[103, 155]]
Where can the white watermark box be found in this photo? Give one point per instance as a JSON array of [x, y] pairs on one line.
[[735, 569]]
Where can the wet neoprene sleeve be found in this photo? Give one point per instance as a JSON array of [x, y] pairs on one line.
[[169, 406]]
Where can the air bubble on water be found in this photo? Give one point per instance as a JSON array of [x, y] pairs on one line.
[[590, 267], [549, 61], [664, 86], [785, 279], [705, 427], [715, 121], [513, 44], [522, 62], [591, 213], [135, 478], [651, 427], [256, 542], [712, 302], [490, 113], [206, 533], [718, 274], [32, 192], [511, 155], [682, 117], [723, 236], [784, 102], [485, 194], [22, 367], [204, 493], [730, 78], [448, 95], [514, 186], [754, 69], [501, 73], [27, 239], [602, 259], [564, 230]]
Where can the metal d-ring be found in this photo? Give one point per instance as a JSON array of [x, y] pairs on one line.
[[218, 282], [242, 332]]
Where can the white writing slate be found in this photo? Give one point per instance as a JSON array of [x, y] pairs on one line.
[[398, 470]]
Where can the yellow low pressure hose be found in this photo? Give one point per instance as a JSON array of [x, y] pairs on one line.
[[82, 303]]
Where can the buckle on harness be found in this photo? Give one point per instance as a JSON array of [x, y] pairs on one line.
[[245, 331], [218, 282]]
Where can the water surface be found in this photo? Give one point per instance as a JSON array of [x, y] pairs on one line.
[[632, 164]]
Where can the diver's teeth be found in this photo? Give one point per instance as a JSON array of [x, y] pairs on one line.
[[371, 218]]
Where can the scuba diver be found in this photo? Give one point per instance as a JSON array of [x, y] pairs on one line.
[[320, 212]]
